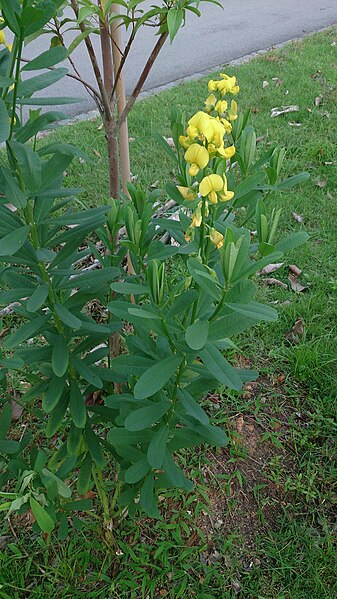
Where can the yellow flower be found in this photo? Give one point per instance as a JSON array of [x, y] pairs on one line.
[[198, 157], [210, 186], [228, 84], [225, 195], [185, 141], [3, 41], [210, 103], [188, 193], [227, 125], [200, 127], [226, 152], [233, 113], [213, 85], [221, 106], [219, 132], [216, 238], [189, 234]]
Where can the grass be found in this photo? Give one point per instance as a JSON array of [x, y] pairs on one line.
[[260, 523]]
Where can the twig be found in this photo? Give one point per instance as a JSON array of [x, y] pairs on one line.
[[139, 85]]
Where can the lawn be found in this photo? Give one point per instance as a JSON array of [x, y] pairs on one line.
[[260, 522]]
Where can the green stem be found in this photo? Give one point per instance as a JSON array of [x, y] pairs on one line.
[[219, 306], [98, 478], [17, 81], [202, 229]]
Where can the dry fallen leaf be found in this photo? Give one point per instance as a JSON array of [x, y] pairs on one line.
[[265, 84], [294, 270], [100, 127], [267, 270], [131, 139], [278, 81], [296, 285], [298, 218], [97, 154], [170, 142], [16, 410], [3, 333], [294, 124], [318, 100], [321, 182], [272, 281], [278, 110], [239, 424], [4, 542], [296, 333]]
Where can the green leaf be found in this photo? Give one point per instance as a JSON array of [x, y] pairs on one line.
[[63, 489], [28, 87], [11, 15], [5, 420], [4, 122], [192, 408], [50, 101], [45, 522], [13, 191], [46, 59], [214, 435], [175, 475], [53, 393], [30, 164], [26, 331], [174, 21], [202, 276], [9, 447], [129, 288], [255, 311], [156, 377], [84, 475], [143, 418], [120, 437], [86, 372], [69, 319], [77, 406], [60, 356], [12, 242], [292, 241], [94, 446], [147, 497], [291, 181], [218, 367], [197, 334], [137, 471], [57, 416], [37, 299], [157, 447]]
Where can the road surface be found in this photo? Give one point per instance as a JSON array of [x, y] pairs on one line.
[[217, 37]]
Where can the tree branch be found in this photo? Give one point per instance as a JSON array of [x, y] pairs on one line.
[[91, 52], [139, 85]]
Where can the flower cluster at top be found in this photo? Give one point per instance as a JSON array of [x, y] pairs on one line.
[[205, 140]]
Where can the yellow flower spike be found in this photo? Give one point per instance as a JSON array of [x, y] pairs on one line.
[[233, 113], [188, 193], [210, 103], [200, 125], [209, 186], [185, 142], [235, 90], [198, 157], [225, 195], [216, 238], [221, 107]]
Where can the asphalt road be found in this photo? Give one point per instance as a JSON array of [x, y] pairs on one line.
[[219, 36]]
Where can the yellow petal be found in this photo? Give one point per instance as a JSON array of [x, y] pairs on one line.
[[216, 238], [187, 193], [210, 183], [198, 155]]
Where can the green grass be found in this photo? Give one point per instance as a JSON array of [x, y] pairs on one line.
[[290, 553]]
